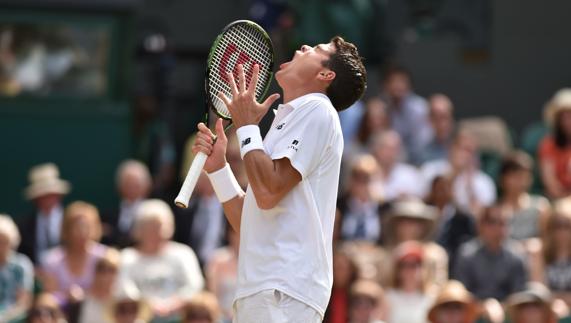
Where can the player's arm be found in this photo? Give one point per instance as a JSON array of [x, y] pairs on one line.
[[221, 177], [269, 179]]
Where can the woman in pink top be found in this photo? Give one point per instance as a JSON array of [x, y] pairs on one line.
[[68, 270]]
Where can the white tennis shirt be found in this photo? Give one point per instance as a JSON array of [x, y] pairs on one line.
[[289, 248]]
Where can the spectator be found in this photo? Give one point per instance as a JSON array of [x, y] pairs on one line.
[[408, 299], [533, 305], [46, 191], [134, 184], [472, 188], [201, 226], [45, 310], [555, 150], [366, 303], [222, 273], [412, 220], [128, 305], [345, 273], [491, 266], [408, 112], [374, 120], [201, 308], [358, 209], [98, 297], [527, 211], [68, 270], [442, 128], [550, 261], [454, 304], [395, 179], [166, 273], [453, 225], [16, 273]]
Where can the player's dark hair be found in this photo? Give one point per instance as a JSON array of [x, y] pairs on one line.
[[350, 79]]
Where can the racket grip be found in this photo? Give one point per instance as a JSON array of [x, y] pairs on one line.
[[190, 181]]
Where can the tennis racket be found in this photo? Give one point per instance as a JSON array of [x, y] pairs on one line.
[[241, 42]]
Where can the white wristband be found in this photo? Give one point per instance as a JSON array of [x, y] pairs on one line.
[[224, 183], [249, 138]]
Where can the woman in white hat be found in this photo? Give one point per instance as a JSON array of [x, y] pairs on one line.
[[555, 149]]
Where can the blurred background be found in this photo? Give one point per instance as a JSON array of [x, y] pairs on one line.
[[466, 112]]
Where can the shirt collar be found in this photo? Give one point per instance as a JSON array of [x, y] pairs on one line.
[[299, 101]]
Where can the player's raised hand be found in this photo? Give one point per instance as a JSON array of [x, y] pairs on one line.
[[243, 107], [213, 146]]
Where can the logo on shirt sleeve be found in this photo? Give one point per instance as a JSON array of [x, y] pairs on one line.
[[246, 141], [294, 145], [280, 126]]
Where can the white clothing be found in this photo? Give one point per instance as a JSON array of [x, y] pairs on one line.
[[407, 307], [289, 247], [403, 180], [482, 185], [173, 272], [93, 311], [273, 306]]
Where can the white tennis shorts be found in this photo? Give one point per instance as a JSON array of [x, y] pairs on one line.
[[273, 306]]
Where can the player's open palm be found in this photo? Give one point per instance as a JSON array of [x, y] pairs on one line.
[[243, 107], [215, 149]]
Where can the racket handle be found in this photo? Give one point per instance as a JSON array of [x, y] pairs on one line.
[[190, 181]]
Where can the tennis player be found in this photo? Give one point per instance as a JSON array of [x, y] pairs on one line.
[[285, 218]]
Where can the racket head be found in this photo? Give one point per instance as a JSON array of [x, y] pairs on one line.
[[240, 42]]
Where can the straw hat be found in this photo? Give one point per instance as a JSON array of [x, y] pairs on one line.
[[535, 293], [561, 101], [411, 208], [454, 292], [127, 292], [44, 179]]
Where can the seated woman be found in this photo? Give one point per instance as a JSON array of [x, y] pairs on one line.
[[345, 273], [555, 149], [222, 273], [167, 273], [91, 309], [528, 212], [16, 273], [550, 258], [408, 298], [68, 270]]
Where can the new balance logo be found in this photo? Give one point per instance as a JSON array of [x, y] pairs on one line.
[[246, 141]]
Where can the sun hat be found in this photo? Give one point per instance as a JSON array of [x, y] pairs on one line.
[[454, 292], [44, 179], [561, 101]]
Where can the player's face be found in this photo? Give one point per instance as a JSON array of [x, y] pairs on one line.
[[305, 66]]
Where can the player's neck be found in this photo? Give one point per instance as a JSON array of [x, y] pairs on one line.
[[294, 93]]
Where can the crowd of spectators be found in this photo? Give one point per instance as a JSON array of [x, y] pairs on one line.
[[423, 231]]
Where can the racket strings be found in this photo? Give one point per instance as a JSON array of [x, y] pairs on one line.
[[246, 39]]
